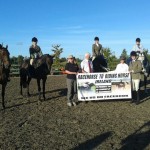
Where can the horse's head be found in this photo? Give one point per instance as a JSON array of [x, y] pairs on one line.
[[4, 56], [49, 61]]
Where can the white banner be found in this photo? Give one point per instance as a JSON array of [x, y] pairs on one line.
[[103, 86]]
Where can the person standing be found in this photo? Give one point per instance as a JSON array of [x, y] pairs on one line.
[[96, 48], [135, 68], [71, 70], [86, 64], [122, 67]]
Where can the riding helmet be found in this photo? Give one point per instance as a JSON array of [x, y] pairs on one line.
[[133, 53], [138, 40], [96, 39], [122, 58], [34, 39]]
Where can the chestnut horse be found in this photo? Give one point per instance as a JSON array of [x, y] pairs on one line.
[[4, 70]]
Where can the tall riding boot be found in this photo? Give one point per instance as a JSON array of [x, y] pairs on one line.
[[138, 97], [133, 97]]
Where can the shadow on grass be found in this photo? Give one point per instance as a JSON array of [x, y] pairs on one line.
[[18, 105], [139, 140], [62, 92], [93, 143], [144, 96]]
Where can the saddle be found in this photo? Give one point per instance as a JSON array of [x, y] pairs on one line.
[[37, 62]]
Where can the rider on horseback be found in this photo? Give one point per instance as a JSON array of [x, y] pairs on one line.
[[35, 51], [138, 47], [96, 48]]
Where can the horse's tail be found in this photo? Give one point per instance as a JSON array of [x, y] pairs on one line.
[[23, 77]]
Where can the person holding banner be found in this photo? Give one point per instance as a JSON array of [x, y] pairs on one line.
[[71, 70], [122, 67], [86, 64], [135, 68]]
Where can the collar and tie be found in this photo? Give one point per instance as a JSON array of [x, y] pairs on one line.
[[90, 69]]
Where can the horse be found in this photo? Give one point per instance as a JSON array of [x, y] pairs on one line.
[[4, 70], [145, 68], [100, 64], [39, 71]]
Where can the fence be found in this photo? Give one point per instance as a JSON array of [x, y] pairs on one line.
[[14, 71]]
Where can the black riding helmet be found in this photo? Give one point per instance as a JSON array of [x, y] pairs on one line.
[[133, 53], [34, 39], [138, 40], [96, 39]]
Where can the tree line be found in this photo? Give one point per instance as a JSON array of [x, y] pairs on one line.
[[59, 62]]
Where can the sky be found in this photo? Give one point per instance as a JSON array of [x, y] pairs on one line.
[[74, 24]]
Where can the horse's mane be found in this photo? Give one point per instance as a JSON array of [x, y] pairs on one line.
[[4, 55]]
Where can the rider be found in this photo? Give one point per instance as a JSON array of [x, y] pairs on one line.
[[35, 51], [138, 47], [135, 68], [96, 48]]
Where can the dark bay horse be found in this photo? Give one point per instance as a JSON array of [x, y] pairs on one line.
[[100, 64], [4, 70], [38, 71]]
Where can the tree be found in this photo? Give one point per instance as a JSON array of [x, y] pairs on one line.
[[63, 59], [111, 58], [20, 59], [107, 52], [57, 52], [124, 53], [13, 60]]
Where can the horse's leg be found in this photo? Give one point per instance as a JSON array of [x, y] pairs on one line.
[[39, 88], [44, 81], [28, 83], [21, 86], [145, 84], [3, 95]]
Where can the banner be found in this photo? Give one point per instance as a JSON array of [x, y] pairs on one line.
[[103, 86]]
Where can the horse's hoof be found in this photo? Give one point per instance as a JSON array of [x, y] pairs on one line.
[[29, 95], [40, 100], [4, 107]]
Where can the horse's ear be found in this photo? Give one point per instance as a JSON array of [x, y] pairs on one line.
[[6, 46]]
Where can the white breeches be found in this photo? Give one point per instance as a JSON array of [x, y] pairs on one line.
[[31, 61], [135, 84]]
